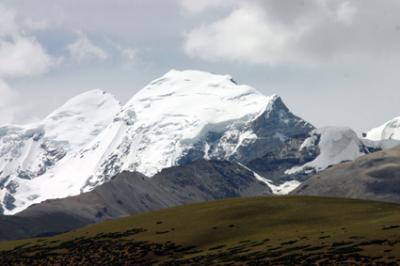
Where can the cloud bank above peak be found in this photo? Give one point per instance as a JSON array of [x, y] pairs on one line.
[[335, 50], [294, 32]]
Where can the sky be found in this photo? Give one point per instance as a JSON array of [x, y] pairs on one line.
[[334, 62]]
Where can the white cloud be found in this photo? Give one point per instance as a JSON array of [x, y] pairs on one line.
[[23, 56], [295, 32], [245, 35], [198, 6], [20, 54], [84, 49]]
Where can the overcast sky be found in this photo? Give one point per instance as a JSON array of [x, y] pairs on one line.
[[334, 62]]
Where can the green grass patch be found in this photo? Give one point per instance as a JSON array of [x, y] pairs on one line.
[[277, 230]]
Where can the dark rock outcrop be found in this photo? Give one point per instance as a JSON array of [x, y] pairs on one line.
[[131, 193], [375, 176], [273, 149]]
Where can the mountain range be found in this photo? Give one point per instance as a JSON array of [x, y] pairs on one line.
[[183, 120]]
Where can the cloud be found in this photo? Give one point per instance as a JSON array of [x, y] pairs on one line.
[[243, 36], [301, 32], [23, 56], [128, 56], [20, 54], [196, 6], [84, 49]]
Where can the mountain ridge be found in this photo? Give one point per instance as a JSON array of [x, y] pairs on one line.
[[388, 131], [373, 177], [31, 151], [131, 193]]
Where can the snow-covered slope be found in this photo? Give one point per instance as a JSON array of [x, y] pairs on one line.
[[174, 112], [82, 118], [29, 152], [388, 131], [334, 145], [178, 118]]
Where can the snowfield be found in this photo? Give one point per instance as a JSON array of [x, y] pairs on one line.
[[335, 144], [388, 131]]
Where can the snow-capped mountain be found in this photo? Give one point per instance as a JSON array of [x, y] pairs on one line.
[[331, 145], [29, 152], [178, 118], [388, 131], [186, 116]]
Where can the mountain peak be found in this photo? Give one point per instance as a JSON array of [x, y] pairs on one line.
[[88, 100], [81, 117], [276, 101], [196, 95], [388, 131], [195, 75], [188, 81], [335, 145], [27, 153]]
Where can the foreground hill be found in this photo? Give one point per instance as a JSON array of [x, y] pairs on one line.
[[375, 176], [264, 231], [132, 193]]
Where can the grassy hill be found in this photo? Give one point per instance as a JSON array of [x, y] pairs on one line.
[[264, 230]]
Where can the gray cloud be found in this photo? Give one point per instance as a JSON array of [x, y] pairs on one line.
[[334, 62], [84, 49], [299, 32], [20, 54]]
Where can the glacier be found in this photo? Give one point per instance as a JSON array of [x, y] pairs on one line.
[[335, 145], [388, 131]]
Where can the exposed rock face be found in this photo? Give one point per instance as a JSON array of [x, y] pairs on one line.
[[269, 144], [306, 154], [279, 124], [274, 164], [375, 176], [130, 193], [329, 146]]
